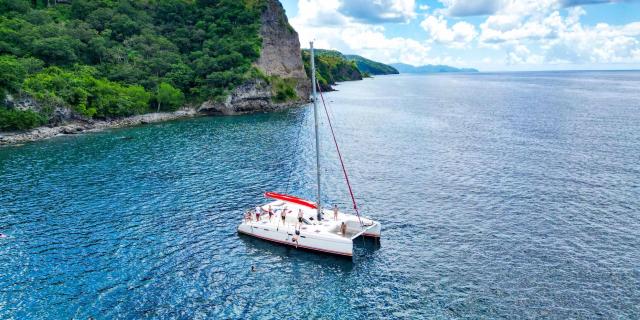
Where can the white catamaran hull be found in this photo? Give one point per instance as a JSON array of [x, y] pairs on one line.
[[288, 237], [326, 236]]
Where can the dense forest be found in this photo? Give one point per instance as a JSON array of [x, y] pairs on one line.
[[331, 67], [113, 58], [371, 67]]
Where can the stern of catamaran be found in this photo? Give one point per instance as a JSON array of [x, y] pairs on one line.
[[374, 230], [367, 228]]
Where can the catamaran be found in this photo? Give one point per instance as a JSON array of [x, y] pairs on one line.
[[304, 224]]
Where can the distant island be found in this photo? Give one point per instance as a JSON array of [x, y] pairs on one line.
[[430, 68]]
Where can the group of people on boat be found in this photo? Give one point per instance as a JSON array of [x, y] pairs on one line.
[[258, 212]]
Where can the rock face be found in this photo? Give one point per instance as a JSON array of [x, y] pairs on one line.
[[251, 96], [281, 54], [280, 57]]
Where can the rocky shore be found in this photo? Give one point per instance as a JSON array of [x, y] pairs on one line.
[[81, 126]]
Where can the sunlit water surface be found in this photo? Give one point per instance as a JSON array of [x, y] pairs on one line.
[[501, 196]]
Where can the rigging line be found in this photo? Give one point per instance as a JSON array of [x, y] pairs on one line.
[[344, 169], [279, 160], [295, 150], [333, 116]]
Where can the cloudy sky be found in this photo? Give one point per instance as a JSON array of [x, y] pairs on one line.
[[485, 34]]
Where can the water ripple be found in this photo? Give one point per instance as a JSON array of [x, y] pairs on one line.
[[501, 196]]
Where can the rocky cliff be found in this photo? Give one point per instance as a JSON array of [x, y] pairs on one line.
[[280, 60]]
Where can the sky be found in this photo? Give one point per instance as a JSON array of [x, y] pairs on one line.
[[490, 35]]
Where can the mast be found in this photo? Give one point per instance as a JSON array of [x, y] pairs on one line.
[[315, 117]]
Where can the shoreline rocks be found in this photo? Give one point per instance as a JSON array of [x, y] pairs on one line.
[[82, 126]]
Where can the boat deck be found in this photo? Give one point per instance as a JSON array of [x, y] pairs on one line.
[[328, 226], [324, 235]]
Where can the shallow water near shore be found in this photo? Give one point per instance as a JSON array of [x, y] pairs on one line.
[[513, 195]]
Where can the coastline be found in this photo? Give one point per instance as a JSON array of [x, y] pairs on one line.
[[83, 126]]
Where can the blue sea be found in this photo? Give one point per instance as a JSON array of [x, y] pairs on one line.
[[505, 195]]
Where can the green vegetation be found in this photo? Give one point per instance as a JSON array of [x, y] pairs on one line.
[[371, 67], [81, 91], [283, 90], [331, 66], [169, 97], [19, 120], [110, 58]]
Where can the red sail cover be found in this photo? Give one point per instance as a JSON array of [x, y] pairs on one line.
[[289, 198]]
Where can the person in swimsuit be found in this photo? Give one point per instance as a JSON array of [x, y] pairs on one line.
[[343, 228], [258, 209], [335, 212], [296, 238], [283, 214], [300, 216], [270, 213], [247, 216]]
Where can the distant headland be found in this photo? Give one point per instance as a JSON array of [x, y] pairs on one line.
[[333, 66], [430, 68]]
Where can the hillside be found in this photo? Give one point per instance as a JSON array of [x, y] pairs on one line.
[[371, 67], [407, 68], [102, 59], [332, 66]]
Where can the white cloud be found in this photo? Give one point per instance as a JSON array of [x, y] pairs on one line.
[[459, 35], [350, 35], [520, 54], [522, 20], [423, 7], [603, 43], [377, 11], [462, 8], [516, 34], [518, 27]]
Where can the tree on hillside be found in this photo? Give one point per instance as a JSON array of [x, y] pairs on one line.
[[12, 74], [169, 96]]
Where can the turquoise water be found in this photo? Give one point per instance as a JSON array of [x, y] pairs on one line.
[[501, 196]]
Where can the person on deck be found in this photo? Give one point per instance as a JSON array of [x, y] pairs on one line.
[[335, 212], [296, 238], [283, 214], [343, 228], [247, 216], [300, 216], [270, 213], [258, 209]]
